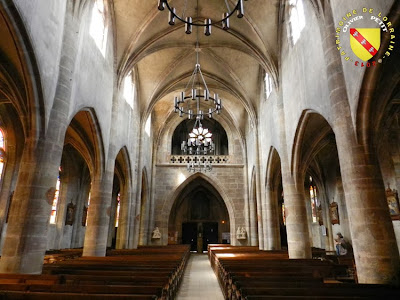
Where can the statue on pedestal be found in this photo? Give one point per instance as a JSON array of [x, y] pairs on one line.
[[156, 233], [241, 233]]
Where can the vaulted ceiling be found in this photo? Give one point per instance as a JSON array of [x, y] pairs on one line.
[[164, 56]]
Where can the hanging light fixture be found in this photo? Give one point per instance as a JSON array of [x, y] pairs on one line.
[[183, 103], [207, 22], [199, 143]]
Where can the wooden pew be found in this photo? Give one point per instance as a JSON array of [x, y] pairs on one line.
[[245, 273], [148, 273]]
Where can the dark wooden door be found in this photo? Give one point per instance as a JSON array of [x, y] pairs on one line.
[[189, 235], [210, 234]]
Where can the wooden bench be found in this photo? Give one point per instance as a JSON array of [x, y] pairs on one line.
[[245, 273], [137, 274]]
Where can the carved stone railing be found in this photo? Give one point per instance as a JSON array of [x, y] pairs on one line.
[[185, 159]]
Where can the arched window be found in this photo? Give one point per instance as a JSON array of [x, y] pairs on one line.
[[98, 26], [268, 85], [129, 90], [282, 200], [314, 200], [219, 136], [55, 199], [296, 18], [117, 211], [87, 210], [2, 152]]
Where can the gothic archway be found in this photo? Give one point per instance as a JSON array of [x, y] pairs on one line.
[[199, 216], [144, 209], [276, 224]]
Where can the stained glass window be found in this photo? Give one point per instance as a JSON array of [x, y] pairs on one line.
[[55, 200], [129, 90], [314, 200], [118, 207], [2, 152], [98, 29], [203, 135], [297, 19], [87, 210], [268, 85]]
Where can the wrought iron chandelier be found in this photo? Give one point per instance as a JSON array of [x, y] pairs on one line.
[[189, 23], [199, 141], [197, 89], [200, 165]]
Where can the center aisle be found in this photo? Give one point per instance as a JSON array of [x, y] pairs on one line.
[[199, 280]]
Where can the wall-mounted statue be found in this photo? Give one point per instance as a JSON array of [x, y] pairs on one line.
[[156, 233], [70, 217], [319, 215], [84, 215], [334, 213], [392, 198], [241, 233]]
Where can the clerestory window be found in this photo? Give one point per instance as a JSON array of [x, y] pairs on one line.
[[98, 26], [297, 19]]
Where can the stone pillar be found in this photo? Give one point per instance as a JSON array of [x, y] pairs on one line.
[[272, 225], [259, 213], [295, 206], [329, 245], [124, 218], [99, 213], [374, 243], [111, 223], [253, 216], [26, 237], [144, 214], [296, 217]]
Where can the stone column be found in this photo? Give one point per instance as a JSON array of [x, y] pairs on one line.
[[296, 217], [144, 215], [295, 206], [124, 219], [111, 223], [329, 245], [99, 213], [272, 225], [26, 237], [374, 243], [253, 215]]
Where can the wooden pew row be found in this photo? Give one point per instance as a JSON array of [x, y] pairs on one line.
[[18, 295], [138, 275], [242, 259], [147, 289], [60, 255], [325, 290], [254, 276], [173, 272]]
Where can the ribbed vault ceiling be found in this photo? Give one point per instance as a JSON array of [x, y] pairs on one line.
[[164, 56]]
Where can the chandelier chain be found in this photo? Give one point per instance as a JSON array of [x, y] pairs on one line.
[[184, 8], [227, 6]]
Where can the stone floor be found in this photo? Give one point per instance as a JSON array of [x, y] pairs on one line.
[[199, 280]]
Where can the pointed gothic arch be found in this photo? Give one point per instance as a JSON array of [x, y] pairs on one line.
[[253, 210], [162, 219], [144, 229], [121, 200], [275, 227]]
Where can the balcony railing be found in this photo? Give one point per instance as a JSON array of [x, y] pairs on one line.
[[185, 159]]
